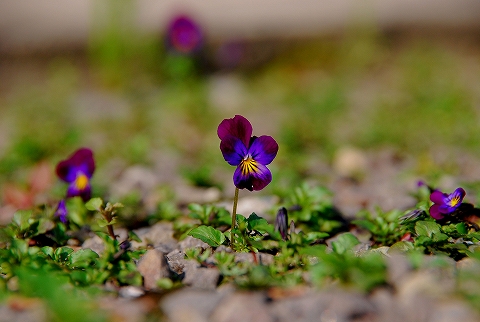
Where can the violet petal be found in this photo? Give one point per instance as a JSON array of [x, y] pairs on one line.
[[435, 212], [61, 211], [74, 191], [458, 193], [233, 150], [263, 149], [438, 197], [80, 160], [252, 180], [238, 127]]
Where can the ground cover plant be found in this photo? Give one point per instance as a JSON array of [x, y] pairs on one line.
[[98, 229]]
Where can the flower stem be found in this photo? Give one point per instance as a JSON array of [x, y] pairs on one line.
[[234, 214], [108, 218], [110, 232]]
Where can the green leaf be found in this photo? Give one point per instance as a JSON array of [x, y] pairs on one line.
[[209, 235], [94, 204], [255, 221], [62, 253], [427, 228], [314, 236], [134, 237], [365, 224], [21, 219], [76, 210], [344, 242], [102, 222], [461, 228], [400, 247], [82, 258], [47, 250]]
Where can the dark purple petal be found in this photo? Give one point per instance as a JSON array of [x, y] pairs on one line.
[[263, 149], [253, 179], [80, 161], [61, 211], [184, 35], [238, 127], [435, 212], [438, 197], [233, 150]]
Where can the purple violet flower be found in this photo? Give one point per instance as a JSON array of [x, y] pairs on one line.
[[61, 211], [77, 171], [444, 204], [250, 154], [184, 35]]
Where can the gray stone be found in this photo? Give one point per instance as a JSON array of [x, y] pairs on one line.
[[190, 305], [191, 271], [135, 178], [131, 292], [398, 268], [243, 306], [176, 261], [333, 305], [153, 266], [350, 162], [191, 242], [123, 309], [95, 243], [160, 236], [201, 277], [453, 311]]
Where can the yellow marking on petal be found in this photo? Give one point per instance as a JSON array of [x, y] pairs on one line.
[[454, 201], [81, 181], [248, 166]]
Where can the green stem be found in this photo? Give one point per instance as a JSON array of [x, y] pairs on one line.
[[234, 214]]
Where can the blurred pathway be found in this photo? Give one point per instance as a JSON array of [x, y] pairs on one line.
[[39, 25]]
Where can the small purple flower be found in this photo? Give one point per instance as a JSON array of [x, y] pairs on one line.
[[250, 154], [444, 204], [77, 171], [61, 211], [184, 35], [281, 223]]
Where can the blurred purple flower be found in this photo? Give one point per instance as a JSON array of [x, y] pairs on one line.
[[230, 54], [77, 171], [184, 35], [444, 204], [61, 211], [281, 223], [250, 154]]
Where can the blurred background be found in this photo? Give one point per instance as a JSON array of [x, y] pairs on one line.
[[370, 92]]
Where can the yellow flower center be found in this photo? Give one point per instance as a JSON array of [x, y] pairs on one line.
[[454, 201], [248, 165], [81, 181]]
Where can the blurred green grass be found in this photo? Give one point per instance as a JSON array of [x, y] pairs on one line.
[[365, 89]]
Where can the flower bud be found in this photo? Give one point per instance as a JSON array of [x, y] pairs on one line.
[[281, 223]]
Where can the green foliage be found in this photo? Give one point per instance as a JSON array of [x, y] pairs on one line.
[[209, 235], [384, 227], [311, 209], [210, 215]]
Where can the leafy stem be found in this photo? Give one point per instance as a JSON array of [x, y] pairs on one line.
[[108, 213]]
